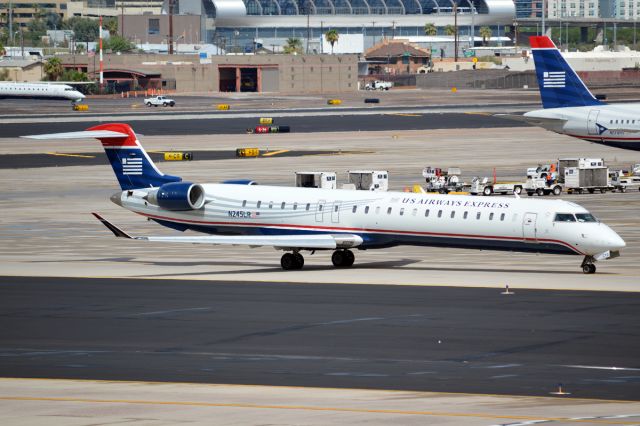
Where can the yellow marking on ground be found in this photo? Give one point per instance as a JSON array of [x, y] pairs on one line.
[[404, 114], [313, 408], [59, 154], [272, 153]]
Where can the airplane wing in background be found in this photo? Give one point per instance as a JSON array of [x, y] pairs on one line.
[[298, 241], [536, 121]]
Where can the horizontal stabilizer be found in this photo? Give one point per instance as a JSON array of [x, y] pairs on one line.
[[298, 241], [86, 134]]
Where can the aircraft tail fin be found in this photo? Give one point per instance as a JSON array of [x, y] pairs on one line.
[[131, 164], [559, 84]]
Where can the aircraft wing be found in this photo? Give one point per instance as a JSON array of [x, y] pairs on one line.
[[536, 121], [312, 242]]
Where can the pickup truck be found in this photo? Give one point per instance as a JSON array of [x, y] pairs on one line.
[[159, 100], [379, 85]]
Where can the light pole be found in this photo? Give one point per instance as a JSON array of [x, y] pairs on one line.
[[515, 30], [544, 12]]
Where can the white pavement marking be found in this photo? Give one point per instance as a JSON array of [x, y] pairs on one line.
[[172, 311]]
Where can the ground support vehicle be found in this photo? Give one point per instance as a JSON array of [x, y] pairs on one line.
[[369, 180], [324, 180], [573, 175], [159, 100], [542, 186], [486, 187], [379, 85], [443, 182], [621, 181]]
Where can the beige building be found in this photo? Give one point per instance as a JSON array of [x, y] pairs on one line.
[[229, 73], [21, 70], [154, 29]]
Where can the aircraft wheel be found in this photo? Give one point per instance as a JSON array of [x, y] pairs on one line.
[[349, 258], [342, 258], [288, 262], [589, 268], [299, 260]]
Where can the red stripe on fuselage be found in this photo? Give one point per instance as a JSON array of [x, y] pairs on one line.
[[366, 230]]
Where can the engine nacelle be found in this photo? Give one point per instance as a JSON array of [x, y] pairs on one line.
[[178, 196]]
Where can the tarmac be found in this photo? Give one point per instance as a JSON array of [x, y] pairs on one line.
[[47, 231]]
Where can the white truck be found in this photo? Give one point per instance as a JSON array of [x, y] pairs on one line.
[[324, 180], [573, 175], [369, 180], [621, 180], [442, 181], [378, 85], [485, 187], [159, 100]]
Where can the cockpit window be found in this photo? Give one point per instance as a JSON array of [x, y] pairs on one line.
[[585, 217], [565, 217]]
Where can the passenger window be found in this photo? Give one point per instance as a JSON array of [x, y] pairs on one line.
[[270, 204], [415, 212], [366, 210], [378, 210], [389, 210], [502, 217], [439, 213], [490, 216], [258, 204], [478, 216], [308, 207], [453, 214], [564, 217], [426, 213], [402, 211], [320, 207], [244, 203], [282, 205], [335, 208], [464, 216], [353, 210], [295, 206]]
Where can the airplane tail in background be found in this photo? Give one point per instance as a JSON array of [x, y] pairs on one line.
[[131, 163], [559, 84]]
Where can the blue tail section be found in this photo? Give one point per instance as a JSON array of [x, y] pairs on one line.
[[559, 84], [131, 164]]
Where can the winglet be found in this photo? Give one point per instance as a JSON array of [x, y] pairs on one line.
[[116, 231]]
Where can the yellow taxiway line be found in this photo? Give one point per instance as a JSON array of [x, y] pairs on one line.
[[272, 153], [59, 154], [402, 114]]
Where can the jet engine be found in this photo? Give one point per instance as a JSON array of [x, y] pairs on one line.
[[178, 196]]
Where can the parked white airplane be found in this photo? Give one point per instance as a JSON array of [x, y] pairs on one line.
[[43, 90], [571, 109], [298, 219]]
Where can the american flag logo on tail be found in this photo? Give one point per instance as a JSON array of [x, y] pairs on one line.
[[553, 79], [132, 166]]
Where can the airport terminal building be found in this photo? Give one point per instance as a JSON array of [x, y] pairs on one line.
[[241, 22]]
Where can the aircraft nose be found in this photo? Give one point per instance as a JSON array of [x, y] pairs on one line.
[[615, 242], [117, 198]]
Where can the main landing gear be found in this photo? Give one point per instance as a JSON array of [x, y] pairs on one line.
[[587, 265], [340, 258]]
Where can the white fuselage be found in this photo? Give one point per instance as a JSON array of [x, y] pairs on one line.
[[39, 91], [615, 125], [386, 219]]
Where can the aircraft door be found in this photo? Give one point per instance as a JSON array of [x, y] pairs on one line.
[[529, 230], [335, 212], [320, 210], [592, 125]]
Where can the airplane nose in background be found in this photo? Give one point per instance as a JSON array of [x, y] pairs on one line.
[[116, 198]]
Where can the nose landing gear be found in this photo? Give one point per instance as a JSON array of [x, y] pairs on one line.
[[587, 265]]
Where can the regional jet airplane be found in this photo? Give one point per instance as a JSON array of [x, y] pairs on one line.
[[309, 219], [571, 109], [43, 90]]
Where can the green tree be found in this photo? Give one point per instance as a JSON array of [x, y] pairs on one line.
[[74, 75], [36, 29], [450, 30], [84, 29], [293, 46], [485, 33], [332, 37], [430, 29], [52, 20], [1, 48], [117, 44], [53, 69], [111, 25]]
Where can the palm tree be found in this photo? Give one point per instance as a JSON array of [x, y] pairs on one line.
[[485, 33], [53, 69], [450, 30], [430, 29], [293, 46], [332, 37]]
